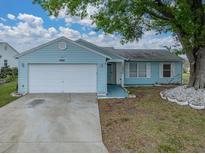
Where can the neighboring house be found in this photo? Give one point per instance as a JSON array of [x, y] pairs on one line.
[[66, 66], [7, 55]]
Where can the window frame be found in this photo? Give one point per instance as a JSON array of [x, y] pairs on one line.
[[6, 62], [166, 70], [133, 71], [138, 75], [138, 70]]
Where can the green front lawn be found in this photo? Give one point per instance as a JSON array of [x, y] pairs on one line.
[[149, 124], [5, 91]]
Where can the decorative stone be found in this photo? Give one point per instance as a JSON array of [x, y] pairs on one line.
[[185, 96], [15, 94], [162, 95], [196, 107], [182, 102], [131, 96], [171, 99]]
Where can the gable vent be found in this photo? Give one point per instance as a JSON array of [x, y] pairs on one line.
[[62, 45]]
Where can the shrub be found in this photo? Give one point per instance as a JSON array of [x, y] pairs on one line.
[[9, 78], [9, 74]]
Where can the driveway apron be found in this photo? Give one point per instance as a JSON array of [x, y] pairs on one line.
[[51, 123]]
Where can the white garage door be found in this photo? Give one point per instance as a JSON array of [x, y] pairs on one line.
[[48, 78]]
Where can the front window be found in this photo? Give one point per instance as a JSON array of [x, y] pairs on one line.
[[142, 70], [138, 70], [5, 63], [133, 70], [166, 70]]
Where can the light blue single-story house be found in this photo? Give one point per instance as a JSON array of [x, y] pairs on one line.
[[66, 66]]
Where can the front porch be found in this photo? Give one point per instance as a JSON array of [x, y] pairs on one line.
[[115, 80], [115, 91]]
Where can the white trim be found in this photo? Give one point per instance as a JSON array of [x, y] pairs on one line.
[[55, 40], [148, 70], [127, 69], [101, 94], [137, 63], [138, 67], [115, 60], [160, 70], [123, 74], [118, 72], [172, 70], [161, 67], [30, 64], [130, 67]]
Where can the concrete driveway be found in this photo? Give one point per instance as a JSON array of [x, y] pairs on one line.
[[51, 123]]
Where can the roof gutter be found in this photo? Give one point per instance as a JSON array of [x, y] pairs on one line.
[[115, 60]]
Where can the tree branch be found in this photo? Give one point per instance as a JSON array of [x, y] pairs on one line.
[[160, 11]]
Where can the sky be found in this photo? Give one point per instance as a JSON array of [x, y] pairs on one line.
[[25, 25]]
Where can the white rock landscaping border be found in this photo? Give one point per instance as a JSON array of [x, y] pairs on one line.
[[182, 95], [196, 107]]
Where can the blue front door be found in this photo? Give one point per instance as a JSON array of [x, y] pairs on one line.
[[111, 73]]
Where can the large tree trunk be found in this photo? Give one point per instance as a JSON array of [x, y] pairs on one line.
[[197, 68]]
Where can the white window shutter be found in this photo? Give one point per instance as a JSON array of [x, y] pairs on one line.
[[161, 70], [148, 70], [172, 69], [127, 70]]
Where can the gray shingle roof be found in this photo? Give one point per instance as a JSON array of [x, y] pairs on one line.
[[133, 54], [102, 50], [145, 54]]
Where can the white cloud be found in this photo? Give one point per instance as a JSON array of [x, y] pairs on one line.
[[84, 21], [75, 19], [148, 41], [69, 33], [29, 32], [11, 16], [92, 33], [31, 19]]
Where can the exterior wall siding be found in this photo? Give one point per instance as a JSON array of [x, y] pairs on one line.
[[155, 76], [73, 54], [7, 54]]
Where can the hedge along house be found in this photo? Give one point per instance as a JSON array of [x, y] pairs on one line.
[[66, 66]]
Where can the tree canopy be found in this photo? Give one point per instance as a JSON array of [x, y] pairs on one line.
[[131, 18]]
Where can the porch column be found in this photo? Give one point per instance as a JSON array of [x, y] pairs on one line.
[[123, 73]]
